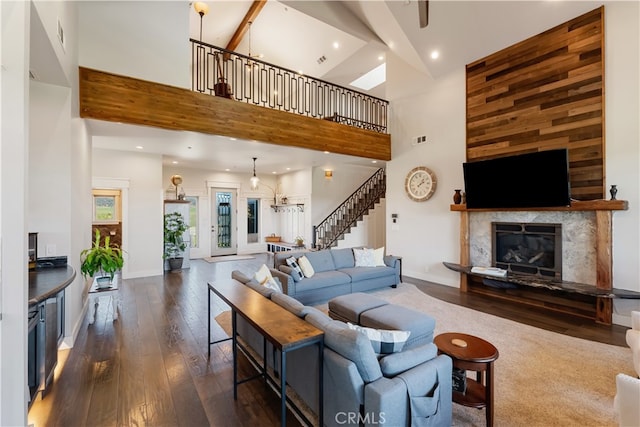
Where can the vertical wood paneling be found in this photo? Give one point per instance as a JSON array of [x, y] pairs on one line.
[[544, 93]]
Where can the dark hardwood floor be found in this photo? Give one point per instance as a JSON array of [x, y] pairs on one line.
[[150, 367]]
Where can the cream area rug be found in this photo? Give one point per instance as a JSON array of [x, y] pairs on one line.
[[227, 258], [541, 378]]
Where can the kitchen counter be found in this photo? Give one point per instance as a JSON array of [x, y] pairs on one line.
[[47, 282]]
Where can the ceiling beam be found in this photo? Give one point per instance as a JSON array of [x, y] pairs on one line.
[[251, 15]]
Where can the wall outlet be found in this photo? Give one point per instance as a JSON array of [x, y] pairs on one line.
[[50, 250], [417, 140]]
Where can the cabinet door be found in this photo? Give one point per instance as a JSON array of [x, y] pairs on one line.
[[60, 321], [50, 341]]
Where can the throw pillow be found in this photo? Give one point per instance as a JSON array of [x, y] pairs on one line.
[[378, 257], [305, 266], [364, 257], [383, 341], [297, 273], [263, 276]]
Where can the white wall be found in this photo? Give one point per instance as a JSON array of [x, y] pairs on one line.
[[328, 194], [622, 100], [142, 39], [428, 232], [49, 164], [142, 212], [14, 137]]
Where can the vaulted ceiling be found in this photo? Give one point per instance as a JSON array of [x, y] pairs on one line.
[[294, 34]]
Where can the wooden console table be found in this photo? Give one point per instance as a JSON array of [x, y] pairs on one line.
[[283, 329], [604, 245]]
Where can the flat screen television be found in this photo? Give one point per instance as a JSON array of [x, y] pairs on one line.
[[531, 180]]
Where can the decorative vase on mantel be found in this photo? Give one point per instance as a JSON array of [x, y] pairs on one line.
[[613, 191], [457, 197]]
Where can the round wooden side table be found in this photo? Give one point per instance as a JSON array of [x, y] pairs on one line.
[[474, 354]]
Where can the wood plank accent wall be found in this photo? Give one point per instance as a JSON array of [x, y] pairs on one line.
[[544, 93], [110, 97]]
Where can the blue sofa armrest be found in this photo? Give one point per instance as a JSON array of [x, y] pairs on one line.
[[396, 263], [387, 397]]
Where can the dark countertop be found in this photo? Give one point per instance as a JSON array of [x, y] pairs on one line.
[[46, 282]]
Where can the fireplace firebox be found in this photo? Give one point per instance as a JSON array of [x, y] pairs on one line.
[[528, 248]]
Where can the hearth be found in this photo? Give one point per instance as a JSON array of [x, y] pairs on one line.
[[528, 248]]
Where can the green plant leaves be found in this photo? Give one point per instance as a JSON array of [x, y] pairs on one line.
[[106, 259]]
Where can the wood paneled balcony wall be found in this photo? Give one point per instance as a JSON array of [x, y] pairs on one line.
[[349, 128]]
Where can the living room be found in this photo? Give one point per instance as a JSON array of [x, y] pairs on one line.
[[426, 234]]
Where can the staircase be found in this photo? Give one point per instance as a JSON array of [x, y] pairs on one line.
[[353, 209]]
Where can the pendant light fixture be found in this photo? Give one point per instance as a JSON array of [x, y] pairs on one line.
[[254, 179]]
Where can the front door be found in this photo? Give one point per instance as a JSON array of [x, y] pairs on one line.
[[223, 222]]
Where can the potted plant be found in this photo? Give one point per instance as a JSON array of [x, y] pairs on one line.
[[174, 245], [103, 260]]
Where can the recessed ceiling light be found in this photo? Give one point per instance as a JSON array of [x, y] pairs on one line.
[[274, 172], [139, 147], [175, 162], [381, 58], [233, 139], [336, 45], [326, 152], [374, 161], [435, 54], [300, 72], [288, 169], [227, 170]]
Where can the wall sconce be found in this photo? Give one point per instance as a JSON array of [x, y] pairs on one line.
[[328, 174]]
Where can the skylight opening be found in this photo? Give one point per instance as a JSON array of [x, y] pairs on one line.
[[373, 78]]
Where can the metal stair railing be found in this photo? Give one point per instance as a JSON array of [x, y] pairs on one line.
[[354, 208]]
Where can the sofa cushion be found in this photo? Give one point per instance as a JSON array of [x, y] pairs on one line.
[[393, 364], [342, 258], [354, 346], [306, 267], [321, 261], [359, 273], [296, 272], [291, 304], [262, 290], [321, 280], [317, 318], [383, 341]]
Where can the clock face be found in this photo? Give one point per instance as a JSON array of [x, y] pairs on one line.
[[420, 184]]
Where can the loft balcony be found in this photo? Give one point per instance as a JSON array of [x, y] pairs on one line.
[[242, 97]]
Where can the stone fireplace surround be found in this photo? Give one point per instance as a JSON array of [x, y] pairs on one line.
[[586, 248], [578, 239]]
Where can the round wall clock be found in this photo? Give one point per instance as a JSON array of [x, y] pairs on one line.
[[420, 184]]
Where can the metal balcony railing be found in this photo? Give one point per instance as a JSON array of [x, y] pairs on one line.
[[220, 72]]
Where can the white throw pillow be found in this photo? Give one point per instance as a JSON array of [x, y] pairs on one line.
[[364, 257], [264, 277], [378, 257], [306, 267], [383, 341]]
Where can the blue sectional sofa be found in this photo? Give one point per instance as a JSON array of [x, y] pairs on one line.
[[335, 274], [406, 388]]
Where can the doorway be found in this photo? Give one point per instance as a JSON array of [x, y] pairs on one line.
[[224, 235]]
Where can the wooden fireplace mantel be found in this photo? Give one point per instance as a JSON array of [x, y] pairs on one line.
[[604, 244]]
